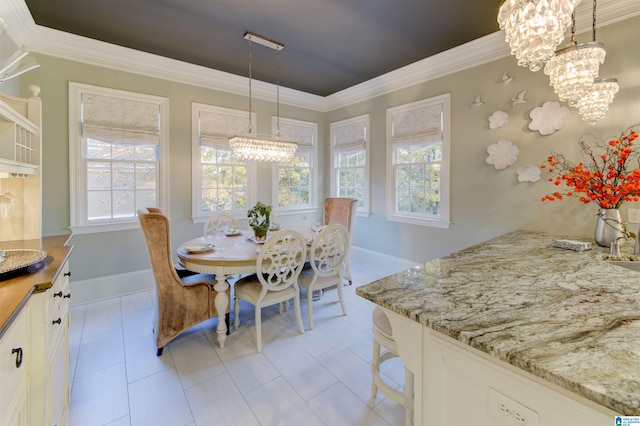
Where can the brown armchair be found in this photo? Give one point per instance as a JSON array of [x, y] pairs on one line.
[[180, 303], [342, 211]]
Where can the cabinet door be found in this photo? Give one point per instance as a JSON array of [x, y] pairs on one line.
[[14, 365], [59, 384], [18, 411]]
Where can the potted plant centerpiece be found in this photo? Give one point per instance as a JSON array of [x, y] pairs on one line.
[[259, 220], [609, 177]]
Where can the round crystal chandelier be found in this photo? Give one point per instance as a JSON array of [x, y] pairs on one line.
[[594, 105], [572, 71], [535, 28]]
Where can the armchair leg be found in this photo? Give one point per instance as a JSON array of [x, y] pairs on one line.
[[226, 321], [159, 353]]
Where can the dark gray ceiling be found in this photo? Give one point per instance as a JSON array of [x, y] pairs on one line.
[[330, 45]]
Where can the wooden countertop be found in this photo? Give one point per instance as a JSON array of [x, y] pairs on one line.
[[15, 289], [569, 318]]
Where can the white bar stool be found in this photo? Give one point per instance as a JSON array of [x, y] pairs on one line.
[[383, 336]]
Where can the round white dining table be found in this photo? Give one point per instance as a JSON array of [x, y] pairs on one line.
[[234, 254]]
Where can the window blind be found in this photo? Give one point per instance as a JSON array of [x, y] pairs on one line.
[[118, 120], [302, 135], [216, 128], [417, 127], [350, 137]]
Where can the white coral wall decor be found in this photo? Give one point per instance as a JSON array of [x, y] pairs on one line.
[[502, 154], [548, 118], [528, 173], [498, 119]]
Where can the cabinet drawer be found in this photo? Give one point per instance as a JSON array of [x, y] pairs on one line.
[[58, 304], [14, 347]]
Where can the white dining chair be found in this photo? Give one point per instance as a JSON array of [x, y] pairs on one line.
[[327, 260], [220, 221], [278, 267]]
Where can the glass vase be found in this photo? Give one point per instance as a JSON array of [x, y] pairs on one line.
[[609, 227]]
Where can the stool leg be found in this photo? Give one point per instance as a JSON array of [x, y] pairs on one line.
[[375, 368], [408, 397]]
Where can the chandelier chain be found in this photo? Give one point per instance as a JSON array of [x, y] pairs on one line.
[[250, 127], [277, 93], [593, 19]]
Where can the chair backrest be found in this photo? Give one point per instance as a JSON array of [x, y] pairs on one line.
[[157, 235], [340, 210], [280, 260], [329, 250], [220, 220]]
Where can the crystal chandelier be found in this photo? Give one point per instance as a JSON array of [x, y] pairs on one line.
[[256, 146], [572, 71], [593, 106], [535, 28]]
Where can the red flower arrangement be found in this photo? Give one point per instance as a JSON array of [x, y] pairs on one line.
[[611, 178]]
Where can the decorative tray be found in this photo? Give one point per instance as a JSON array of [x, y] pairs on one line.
[[20, 258]]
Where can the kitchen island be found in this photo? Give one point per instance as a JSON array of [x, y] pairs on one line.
[[555, 332]]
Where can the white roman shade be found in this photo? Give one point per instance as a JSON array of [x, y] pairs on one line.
[[350, 137], [303, 135], [416, 127], [217, 127], [118, 120]]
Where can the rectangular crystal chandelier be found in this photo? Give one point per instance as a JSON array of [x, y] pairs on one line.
[[256, 146]]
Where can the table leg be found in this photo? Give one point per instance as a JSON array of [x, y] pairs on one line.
[[222, 302]]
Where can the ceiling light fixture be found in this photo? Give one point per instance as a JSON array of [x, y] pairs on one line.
[[535, 28], [572, 71], [594, 105], [263, 147], [14, 59]]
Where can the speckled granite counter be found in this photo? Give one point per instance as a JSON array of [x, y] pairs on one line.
[[567, 317]]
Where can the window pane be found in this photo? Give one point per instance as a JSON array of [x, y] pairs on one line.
[[146, 176], [123, 204], [147, 152], [99, 205], [98, 175], [402, 177], [418, 202], [97, 149], [123, 176], [145, 199]]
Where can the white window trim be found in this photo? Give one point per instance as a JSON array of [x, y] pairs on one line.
[[361, 211], [313, 195], [197, 216], [444, 221], [77, 173]]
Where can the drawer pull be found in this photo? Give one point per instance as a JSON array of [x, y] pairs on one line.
[[18, 352], [58, 321], [67, 274], [67, 296], [58, 294]]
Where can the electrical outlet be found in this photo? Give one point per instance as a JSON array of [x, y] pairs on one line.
[[507, 412], [633, 215]]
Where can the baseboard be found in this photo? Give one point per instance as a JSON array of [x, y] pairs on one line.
[[111, 286], [102, 288]]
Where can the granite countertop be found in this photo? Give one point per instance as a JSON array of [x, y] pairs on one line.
[[567, 317]]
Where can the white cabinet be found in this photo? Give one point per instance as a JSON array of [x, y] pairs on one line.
[[20, 159], [15, 354], [50, 395]]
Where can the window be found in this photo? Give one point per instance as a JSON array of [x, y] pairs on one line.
[[349, 160], [220, 179], [117, 156], [418, 162], [295, 181]]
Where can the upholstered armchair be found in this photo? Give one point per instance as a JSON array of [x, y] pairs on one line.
[[342, 211], [180, 303]]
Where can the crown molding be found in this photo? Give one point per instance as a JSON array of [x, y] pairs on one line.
[[68, 46]]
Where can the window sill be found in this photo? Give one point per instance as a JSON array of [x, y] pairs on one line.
[[104, 227], [432, 223]]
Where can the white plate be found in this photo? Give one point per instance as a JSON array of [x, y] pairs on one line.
[[232, 232], [318, 228], [198, 248], [253, 238]]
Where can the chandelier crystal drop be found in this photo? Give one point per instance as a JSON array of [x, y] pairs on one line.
[[254, 146], [594, 105], [572, 71], [535, 28]]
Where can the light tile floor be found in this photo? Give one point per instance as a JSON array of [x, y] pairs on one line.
[[321, 377]]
